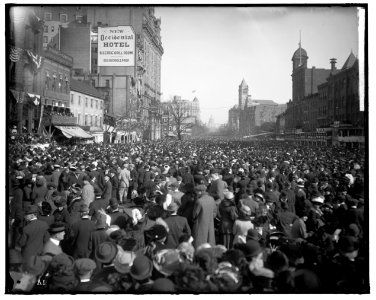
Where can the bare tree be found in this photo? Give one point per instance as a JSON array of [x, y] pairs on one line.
[[181, 119]]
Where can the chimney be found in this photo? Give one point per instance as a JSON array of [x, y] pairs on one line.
[[333, 63]]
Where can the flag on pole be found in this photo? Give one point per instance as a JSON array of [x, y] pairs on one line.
[[35, 59]]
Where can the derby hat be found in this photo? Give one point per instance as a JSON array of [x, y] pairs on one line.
[[106, 252], [142, 268]]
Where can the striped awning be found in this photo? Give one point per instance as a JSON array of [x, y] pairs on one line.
[[74, 131]]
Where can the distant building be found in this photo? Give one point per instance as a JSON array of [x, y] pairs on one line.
[[191, 111], [252, 116], [87, 105], [325, 106], [133, 91]]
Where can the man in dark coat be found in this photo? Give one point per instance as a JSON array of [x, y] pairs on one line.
[[115, 183], [133, 182], [204, 212], [80, 232], [177, 225], [98, 204], [107, 190], [97, 237], [34, 234]]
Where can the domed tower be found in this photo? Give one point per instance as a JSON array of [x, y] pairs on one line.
[[299, 58], [243, 94]]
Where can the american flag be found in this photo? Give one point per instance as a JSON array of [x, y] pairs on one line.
[[36, 59], [15, 54]]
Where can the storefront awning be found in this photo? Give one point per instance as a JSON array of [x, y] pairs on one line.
[[74, 131]]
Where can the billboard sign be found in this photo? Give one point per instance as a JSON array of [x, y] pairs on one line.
[[116, 46]]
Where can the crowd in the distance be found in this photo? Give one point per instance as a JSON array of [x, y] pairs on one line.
[[208, 216]]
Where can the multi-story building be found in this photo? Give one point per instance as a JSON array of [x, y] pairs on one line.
[[188, 114], [251, 116], [24, 67], [329, 113], [131, 91], [87, 104]]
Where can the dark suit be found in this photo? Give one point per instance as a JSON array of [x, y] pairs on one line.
[[107, 191], [115, 187], [34, 236], [80, 234], [178, 226], [97, 237]]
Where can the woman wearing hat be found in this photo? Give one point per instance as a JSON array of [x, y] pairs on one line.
[[228, 214], [242, 224]]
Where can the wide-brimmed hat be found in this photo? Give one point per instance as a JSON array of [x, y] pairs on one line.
[[252, 248], [245, 211], [106, 252], [167, 261], [57, 227], [31, 209], [142, 267], [157, 232], [124, 261]]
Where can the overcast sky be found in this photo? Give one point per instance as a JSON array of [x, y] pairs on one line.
[[211, 49]]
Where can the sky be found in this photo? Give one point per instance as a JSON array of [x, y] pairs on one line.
[[210, 50]]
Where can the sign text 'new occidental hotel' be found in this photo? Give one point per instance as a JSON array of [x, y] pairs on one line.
[[116, 46]]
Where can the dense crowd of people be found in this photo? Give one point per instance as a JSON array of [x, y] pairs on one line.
[[195, 216]]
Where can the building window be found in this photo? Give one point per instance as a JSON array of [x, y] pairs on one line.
[[95, 50], [72, 100], [45, 39], [53, 102], [47, 16], [107, 83], [66, 85], [54, 82], [91, 103], [79, 100], [63, 18], [79, 119], [91, 120], [59, 104], [79, 19], [86, 102], [86, 120], [100, 121], [52, 28], [101, 104], [93, 82], [96, 104], [47, 82], [96, 121], [45, 28]]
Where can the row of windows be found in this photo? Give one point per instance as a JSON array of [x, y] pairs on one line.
[[63, 18], [90, 120], [57, 83], [93, 102]]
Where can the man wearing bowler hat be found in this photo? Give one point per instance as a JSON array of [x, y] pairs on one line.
[[34, 234], [177, 225], [105, 254], [52, 246], [80, 232]]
